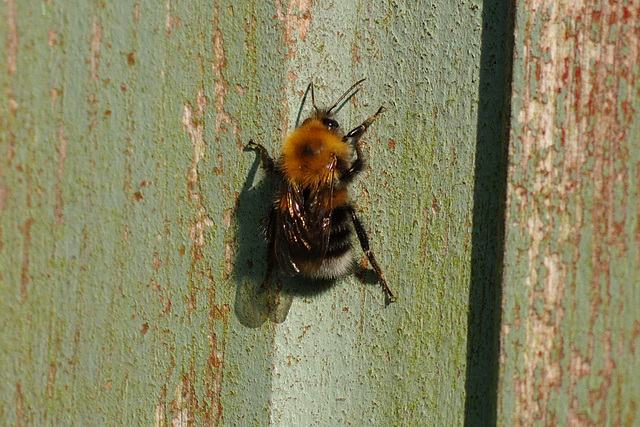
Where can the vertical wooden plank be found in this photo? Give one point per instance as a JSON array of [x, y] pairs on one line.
[[572, 259], [340, 357]]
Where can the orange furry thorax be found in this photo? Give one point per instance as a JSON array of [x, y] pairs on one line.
[[310, 151]]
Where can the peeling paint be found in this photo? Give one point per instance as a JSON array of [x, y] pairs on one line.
[[221, 86], [159, 417], [171, 21], [215, 368], [297, 17], [62, 155], [5, 192], [26, 247], [53, 38], [54, 95], [13, 109], [19, 402], [95, 45], [12, 37], [193, 123], [229, 256], [197, 231], [185, 404], [51, 379]]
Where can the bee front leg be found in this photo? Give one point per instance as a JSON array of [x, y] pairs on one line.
[[267, 162], [356, 133], [364, 243]]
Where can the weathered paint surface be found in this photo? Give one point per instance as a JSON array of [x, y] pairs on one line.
[[129, 254], [572, 260]]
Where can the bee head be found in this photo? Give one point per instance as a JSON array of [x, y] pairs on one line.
[[317, 148], [330, 123], [325, 115], [325, 119]]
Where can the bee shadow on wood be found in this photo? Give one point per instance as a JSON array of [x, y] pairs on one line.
[[256, 299], [254, 303]]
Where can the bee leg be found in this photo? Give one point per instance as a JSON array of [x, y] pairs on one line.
[[267, 162], [364, 243], [356, 133], [356, 166]]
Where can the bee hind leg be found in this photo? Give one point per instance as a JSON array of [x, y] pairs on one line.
[[364, 243]]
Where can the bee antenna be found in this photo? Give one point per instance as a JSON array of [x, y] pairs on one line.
[[313, 98], [304, 98], [345, 97]]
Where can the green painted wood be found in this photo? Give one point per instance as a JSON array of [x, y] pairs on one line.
[[570, 322], [129, 255]]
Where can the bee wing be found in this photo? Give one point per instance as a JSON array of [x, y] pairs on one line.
[[320, 210], [290, 238], [305, 225]]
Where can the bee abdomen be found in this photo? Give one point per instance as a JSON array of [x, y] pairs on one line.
[[340, 237], [338, 260]]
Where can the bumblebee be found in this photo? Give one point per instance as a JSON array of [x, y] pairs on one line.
[[311, 220]]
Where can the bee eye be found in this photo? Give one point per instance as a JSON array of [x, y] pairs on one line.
[[330, 123]]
